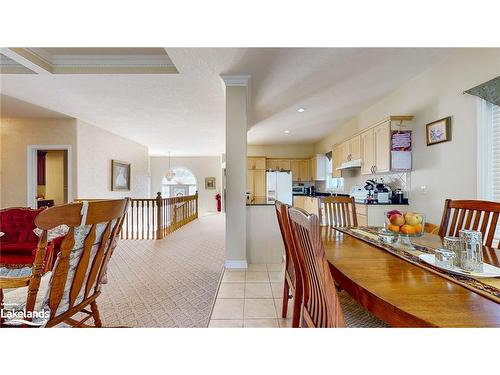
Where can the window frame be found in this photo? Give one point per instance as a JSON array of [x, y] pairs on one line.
[[484, 149]]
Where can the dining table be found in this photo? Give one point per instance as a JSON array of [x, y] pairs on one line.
[[402, 293]]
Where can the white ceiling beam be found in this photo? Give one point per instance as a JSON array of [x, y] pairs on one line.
[[27, 59]]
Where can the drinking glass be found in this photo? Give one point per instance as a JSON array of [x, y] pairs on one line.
[[472, 255], [456, 245]]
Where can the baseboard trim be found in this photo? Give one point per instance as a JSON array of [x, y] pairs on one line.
[[236, 264]]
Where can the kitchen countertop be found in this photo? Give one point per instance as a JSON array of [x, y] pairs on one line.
[[383, 204], [259, 201]]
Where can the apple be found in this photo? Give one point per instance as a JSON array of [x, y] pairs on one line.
[[412, 218], [397, 219], [392, 212]]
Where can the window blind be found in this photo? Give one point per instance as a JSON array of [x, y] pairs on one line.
[[495, 143], [495, 162]]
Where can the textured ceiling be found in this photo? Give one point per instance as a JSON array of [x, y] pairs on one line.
[[184, 113]]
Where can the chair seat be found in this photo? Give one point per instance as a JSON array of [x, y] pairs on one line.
[[356, 316], [15, 299], [18, 248]]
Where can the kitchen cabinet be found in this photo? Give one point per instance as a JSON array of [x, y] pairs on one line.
[[318, 168], [256, 182], [336, 161], [278, 164], [376, 149], [367, 152], [350, 149], [382, 138], [295, 168], [355, 148], [304, 171], [256, 163], [300, 170]]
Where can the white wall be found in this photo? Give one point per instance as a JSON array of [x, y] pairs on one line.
[[448, 170], [15, 136], [96, 149], [201, 166]]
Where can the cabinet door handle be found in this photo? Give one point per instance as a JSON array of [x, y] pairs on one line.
[[374, 169]]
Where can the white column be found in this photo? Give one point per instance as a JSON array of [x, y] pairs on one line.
[[236, 154]]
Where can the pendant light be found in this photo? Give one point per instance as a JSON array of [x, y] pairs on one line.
[[170, 173]]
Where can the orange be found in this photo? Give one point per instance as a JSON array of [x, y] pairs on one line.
[[393, 228], [407, 229], [418, 228]]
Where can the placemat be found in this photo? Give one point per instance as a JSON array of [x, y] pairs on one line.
[[487, 287]]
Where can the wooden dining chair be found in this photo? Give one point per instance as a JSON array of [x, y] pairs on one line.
[[293, 281], [75, 281], [339, 212], [322, 306], [470, 214]]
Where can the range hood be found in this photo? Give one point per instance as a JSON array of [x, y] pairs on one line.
[[350, 164]]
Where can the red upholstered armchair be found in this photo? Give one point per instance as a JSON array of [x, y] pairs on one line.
[[18, 244]]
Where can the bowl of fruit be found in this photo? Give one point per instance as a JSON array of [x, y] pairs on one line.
[[409, 224]]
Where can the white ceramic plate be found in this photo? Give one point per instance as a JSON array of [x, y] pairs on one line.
[[488, 269]]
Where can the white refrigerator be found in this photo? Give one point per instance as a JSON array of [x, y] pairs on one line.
[[279, 187]]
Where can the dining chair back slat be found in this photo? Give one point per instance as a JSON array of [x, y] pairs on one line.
[[321, 306], [339, 211], [470, 214]]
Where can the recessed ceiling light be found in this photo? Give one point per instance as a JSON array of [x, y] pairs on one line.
[[287, 132], [301, 110]]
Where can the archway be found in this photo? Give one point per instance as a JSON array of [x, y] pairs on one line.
[[184, 183]]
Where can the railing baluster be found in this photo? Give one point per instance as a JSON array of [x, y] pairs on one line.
[[155, 218]]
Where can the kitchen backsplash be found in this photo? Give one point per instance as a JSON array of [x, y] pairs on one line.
[[353, 177]]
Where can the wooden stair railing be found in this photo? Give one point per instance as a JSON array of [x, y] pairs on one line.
[[155, 218]]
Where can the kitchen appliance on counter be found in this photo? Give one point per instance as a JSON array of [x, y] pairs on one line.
[[279, 187], [311, 191], [383, 193], [299, 189], [359, 193]]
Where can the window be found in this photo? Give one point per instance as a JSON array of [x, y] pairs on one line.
[[494, 179], [489, 155], [332, 183], [183, 183]]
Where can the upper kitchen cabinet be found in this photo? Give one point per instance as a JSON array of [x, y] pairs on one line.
[[300, 170], [382, 139], [278, 164], [304, 170], [376, 149], [318, 168], [256, 163], [350, 149], [336, 161], [367, 152], [376, 146]]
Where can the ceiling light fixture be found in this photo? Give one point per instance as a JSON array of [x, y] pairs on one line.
[[300, 110], [287, 132], [170, 173]]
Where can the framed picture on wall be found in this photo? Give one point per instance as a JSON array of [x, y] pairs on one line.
[[210, 183], [120, 175], [438, 131]]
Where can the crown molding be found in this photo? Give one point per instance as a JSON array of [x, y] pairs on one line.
[[236, 80]]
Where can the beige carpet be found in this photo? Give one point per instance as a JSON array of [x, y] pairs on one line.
[[166, 283]]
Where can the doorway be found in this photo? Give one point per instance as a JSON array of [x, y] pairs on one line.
[[49, 175]]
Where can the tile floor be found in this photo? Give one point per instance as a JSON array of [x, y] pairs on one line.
[[251, 298]]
